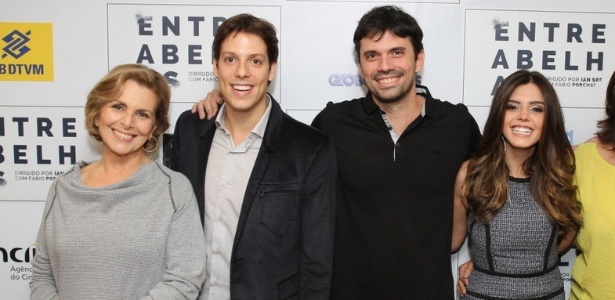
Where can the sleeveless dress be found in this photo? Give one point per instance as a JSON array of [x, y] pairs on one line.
[[515, 255]]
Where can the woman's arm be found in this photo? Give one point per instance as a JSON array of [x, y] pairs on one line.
[[567, 240], [185, 258], [42, 283], [460, 210]]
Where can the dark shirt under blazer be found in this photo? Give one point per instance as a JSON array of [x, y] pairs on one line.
[[283, 247]]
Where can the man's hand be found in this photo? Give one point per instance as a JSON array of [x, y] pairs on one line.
[[464, 277], [208, 107]]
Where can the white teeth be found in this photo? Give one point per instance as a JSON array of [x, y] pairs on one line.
[[241, 87], [122, 136], [522, 130], [387, 80]]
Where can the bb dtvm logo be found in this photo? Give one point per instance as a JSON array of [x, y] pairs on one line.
[[26, 52]]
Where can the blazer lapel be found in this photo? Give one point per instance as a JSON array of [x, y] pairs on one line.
[[205, 140], [275, 124]]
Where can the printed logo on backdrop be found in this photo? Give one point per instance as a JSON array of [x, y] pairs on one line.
[[37, 145], [176, 41], [26, 52], [27, 129], [18, 260], [571, 49], [16, 44], [346, 80], [565, 266]]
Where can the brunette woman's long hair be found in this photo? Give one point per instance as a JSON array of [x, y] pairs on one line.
[[551, 166], [606, 126]]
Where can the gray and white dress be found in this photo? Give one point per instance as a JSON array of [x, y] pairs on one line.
[[515, 255]]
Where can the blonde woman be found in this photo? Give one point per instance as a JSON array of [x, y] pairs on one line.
[[123, 226]]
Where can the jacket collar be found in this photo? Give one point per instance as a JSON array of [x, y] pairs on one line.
[[275, 124]]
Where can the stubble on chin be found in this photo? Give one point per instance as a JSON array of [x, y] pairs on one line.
[[391, 95]]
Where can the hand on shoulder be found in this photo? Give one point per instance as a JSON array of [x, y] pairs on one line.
[[208, 107]]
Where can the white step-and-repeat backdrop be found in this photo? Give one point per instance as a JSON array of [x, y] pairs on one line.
[[52, 52]]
